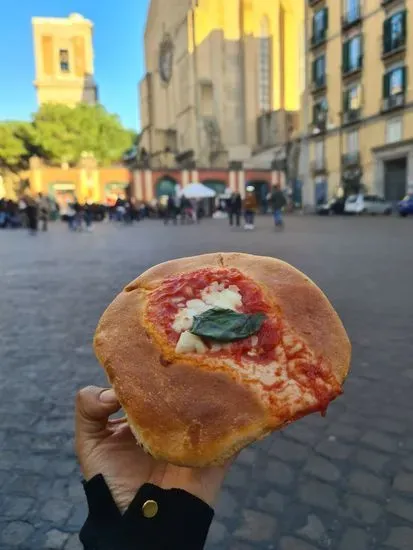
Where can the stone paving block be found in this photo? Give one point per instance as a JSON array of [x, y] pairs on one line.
[[401, 507], [302, 433], [247, 457], [354, 539], [279, 473], [343, 431], [73, 543], [272, 502], [319, 495], [372, 460], [237, 477], [400, 538], [292, 543], [334, 449], [56, 511], [256, 527], [391, 426], [15, 534], [367, 484], [55, 539], [15, 506], [78, 516], [361, 509], [322, 468], [314, 530], [380, 440], [404, 482], [217, 533], [289, 451], [227, 505]]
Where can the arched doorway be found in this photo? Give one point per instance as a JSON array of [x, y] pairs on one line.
[[219, 187], [166, 186], [262, 188]]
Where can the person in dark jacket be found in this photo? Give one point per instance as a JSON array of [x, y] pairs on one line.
[[234, 209], [136, 502], [32, 214], [171, 211], [277, 201]]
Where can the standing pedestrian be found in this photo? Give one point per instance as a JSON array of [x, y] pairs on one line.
[[250, 208], [31, 213], [44, 210], [170, 211], [234, 209], [277, 201], [88, 215]]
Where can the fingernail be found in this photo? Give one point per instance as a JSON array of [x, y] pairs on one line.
[[108, 396]]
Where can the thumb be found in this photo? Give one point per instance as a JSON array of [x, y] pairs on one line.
[[93, 408]]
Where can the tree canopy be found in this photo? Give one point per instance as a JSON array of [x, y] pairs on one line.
[[12, 148], [59, 133]]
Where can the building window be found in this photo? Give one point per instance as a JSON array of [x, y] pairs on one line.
[[319, 71], [265, 67], [353, 142], [352, 10], [394, 130], [64, 61], [352, 55], [394, 82], [394, 32], [319, 154], [320, 25], [320, 111], [352, 98]]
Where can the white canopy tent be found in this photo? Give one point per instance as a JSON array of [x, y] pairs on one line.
[[197, 191]]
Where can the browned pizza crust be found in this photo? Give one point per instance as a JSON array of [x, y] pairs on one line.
[[191, 416]]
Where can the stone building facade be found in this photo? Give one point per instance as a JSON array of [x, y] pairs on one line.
[[360, 97], [223, 81]]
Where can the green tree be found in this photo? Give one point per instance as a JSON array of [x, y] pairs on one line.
[[63, 133], [12, 148]]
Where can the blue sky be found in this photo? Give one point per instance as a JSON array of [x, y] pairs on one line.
[[119, 53]]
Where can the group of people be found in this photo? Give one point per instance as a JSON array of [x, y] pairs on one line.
[[249, 206], [187, 210]]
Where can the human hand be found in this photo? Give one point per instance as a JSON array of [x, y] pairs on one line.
[[108, 447]]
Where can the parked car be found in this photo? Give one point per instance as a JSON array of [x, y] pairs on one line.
[[367, 204], [333, 206], [405, 207]]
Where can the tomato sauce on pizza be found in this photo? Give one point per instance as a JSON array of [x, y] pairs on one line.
[[275, 357]]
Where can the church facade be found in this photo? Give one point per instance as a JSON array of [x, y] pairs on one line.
[[223, 82]]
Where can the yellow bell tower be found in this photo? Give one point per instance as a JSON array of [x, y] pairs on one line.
[[63, 50]]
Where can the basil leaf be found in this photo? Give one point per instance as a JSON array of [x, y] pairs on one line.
[[225, 325]]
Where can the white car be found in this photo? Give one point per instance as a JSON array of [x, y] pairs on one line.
[[367, 204]]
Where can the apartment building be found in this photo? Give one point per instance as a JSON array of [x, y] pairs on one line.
[[360, 113]]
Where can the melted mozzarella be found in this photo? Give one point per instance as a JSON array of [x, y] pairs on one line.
[[215, 295], [189, 343]]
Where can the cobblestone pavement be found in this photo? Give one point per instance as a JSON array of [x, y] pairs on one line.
[[341, 483]]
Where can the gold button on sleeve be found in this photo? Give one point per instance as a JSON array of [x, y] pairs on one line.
[[150, 509]]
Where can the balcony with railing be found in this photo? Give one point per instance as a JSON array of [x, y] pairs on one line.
[[351, 116], [395, 101]]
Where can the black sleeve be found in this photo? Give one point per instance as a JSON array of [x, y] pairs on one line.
[[180, 520]]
